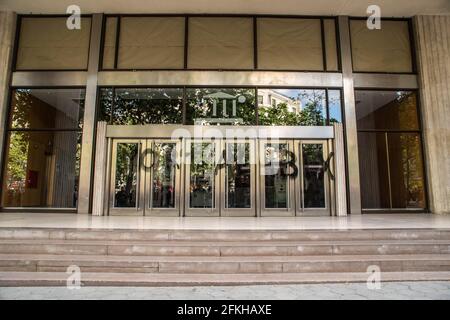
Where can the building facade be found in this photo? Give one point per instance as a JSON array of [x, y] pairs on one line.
[[180, 114]]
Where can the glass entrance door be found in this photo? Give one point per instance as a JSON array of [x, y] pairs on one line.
[[202, 163], [277, 176], [220, 177], [238, 179], [145, 177], [126, 178], [162, 182], [312, 185]]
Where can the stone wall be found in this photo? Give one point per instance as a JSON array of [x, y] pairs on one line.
[[433, 56], [7, 32]]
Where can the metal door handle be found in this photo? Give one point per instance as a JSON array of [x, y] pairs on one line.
[[326, 165]]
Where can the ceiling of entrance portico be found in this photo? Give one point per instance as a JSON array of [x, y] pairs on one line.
[[294, 7]]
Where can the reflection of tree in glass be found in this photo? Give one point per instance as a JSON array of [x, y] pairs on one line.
[[126, 170], [17, 161], [199, 106], [142, 106], [312, 114], [20, 109], [412, 168]]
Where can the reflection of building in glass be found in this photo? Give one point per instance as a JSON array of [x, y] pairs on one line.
[[270, 97]]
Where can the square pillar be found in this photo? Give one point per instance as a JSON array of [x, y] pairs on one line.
[[351, 134], [7, 35], [432, 35], [87, 150]]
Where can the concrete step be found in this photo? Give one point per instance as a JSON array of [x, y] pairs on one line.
[[230, 265], [224, 248], [155, 279], [224, 235]]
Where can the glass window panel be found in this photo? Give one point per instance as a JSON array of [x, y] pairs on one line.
[[151, 43], [109, 45], [292, 107], [238, 177], [42, 169], [329, 26], [163, 175], [228, 106], [47, 44], [289, 44], [127, 162], [334, 106], [381, 50], [106, 101], [147, 106], [313, 176], [406, 170], [201, 184], [220, 43], [386, 110], [47, 108], [374, 171]]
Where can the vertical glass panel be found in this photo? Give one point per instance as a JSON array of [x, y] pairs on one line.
[[220, 43], [381, 50], [406, 170], [47, 109], [109, 45], [276, 182], [147, 106], [329, 26], [151, 43], [386, 110], [41, 169], [202, 172], [163, 175], [289, 44], [237, 175], [127, 170], [292, 107], [106, 102], [227, 106], [374, 171], [313, 176], [334, 106], [47, 44]]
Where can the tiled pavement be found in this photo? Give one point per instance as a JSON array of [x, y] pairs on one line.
[[389, 290]]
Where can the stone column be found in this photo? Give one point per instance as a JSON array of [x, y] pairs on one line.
[[7, 32], [433, 57], [86, 165], [351, 133], [100, 181], [339, 171]]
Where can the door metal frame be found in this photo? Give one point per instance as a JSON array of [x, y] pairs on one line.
[[138, 210], [238, 212], [299, 181], [148, 164], [202, 212], [275, 212]]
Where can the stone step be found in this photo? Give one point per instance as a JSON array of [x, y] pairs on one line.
[[224, 248], [230, 265], [224, 235], [158, 279]]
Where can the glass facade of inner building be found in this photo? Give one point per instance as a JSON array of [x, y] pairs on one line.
[[176, 70]]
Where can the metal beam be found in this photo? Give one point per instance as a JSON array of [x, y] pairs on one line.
[[242, 132], [350, 117], [385, 81], [87, 161], [49, 78], [220, 78]]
